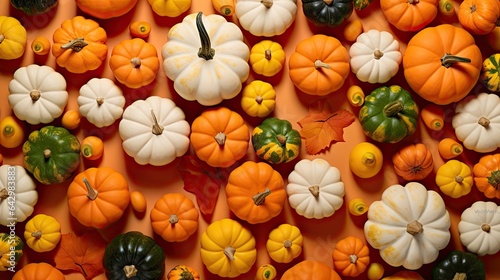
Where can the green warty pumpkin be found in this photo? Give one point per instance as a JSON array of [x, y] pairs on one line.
[[275, 141]]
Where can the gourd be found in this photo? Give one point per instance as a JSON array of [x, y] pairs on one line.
[[37, 94], [31, 7], [92, 147], [80, 44], [24, 194], [13, 38], [227, 248], [38, 271], [319, 65], [489, 73], [433, 116], [134, 254], [350, 256], [475, 122], [174, 217], [404, 275], [71, 119], [170, 8], [453, 59], [479, 17], [106, 9], [413, 162], [310, 269], [446, 8], [266, 17], [258, 99], [357, 206], [183, 272], [375, 56], [459, 265], [140, 29], [352, 30], [42, 233], [51, 154], [40, 45], [11, 132], [219, 136], [478, 228], [267, 58], [276, 141], [355, 96], [315, 189], [487, 175], [412, 15], [389, 114], [266, 272], [375, 271], [454, 178], [98, 196], [154, 131], [365, 160], [449, 148], [224, 7], [255, 192], [494, 39], [222, 61], [11, 250], [327, 13], [138, 201], [284, 243], [409, 225]]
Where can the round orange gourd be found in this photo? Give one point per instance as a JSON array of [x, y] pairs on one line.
[[255, 192], [479, 17], [319, 65], [409, 15], [92, 147], [71, 119], [310, 269], [351, 256], [134, 62], [40, 45], [174, 217], [487, 175], [413, 162], [105, 9], [38, 271], [138, 201], [445, 70], [98, 196]]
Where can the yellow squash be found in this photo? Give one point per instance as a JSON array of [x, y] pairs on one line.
[[267, 58], [365, 160], [13, 37], [169, 8], [454, 178], [11, 132], [284, 243], [42, 233], [258, 99]]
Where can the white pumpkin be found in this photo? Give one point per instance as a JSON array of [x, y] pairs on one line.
[[101, 101], [409, 225], [206, 58], [315, 189], [375, 56], [154, 131], [266, 17], [17, 191], [479, 228], [477, 122], [37, 94]]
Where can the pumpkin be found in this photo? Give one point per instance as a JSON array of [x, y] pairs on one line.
[[489, 73], [183, 272], [413, 162], [98, 196], [411, 15], [40, 45], [174, 217], [389, 114], [258, 99], [365, 160], [154, 131], [475, 122], [134, 62], [315, 189], [227, 248], [409, 225], [266, 17], [71, 119], [80, 44], [375, 56], [134, 254], [169, 8], [11, 251], [13, 38], [479, 17], [11, 132], [494, 39], [310, 269], [352, 30], [446, 70], [487, 175], [266, 272], [16, 186], [275, 141], [37, 94], [31, 7], [459, 265], [267, 58], [106, 9], [222, 61], [51, 154], [284, 243], [42, 233], [361, 4], [375, 271], [319, 65], [219, 136], [255, 192], [479, 228], [328, 13], [404, 275], [38, 271], [92, 147], [454, 178], [140, 29], [351, 256]]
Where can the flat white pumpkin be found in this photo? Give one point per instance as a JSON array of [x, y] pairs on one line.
[[315, 189], [409, 225], [37, 94], [154, 131]]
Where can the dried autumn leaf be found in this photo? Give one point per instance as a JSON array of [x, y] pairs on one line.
[[82, 254]]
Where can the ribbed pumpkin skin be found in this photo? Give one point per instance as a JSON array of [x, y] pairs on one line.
[[183, 272], [489, 73], [309, 269], [275, 141], [5, 249], [413, 162], [409, 15], [330, 15], [38, 271], [459, 262], [105, 9], [479, 17]]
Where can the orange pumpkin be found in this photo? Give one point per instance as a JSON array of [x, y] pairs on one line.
[[487, 175], [255, 192], [351, 256], [134, 62], [79, 45], [174, 217], [98, 196], [220, 137], [479, 16], [319, 65], [38, 271], [409, 15], [105, 9], [413, 162], [442, 64], [310, 269]]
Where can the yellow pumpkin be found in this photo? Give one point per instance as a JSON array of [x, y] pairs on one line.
[[42, 233], [454, 178], [267, 58], [13, 37], [284, 243], [258, 99], [169, 8]]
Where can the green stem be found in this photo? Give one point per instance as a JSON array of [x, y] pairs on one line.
[[393, 108], [494, 179], [448, 60], [206, 51]]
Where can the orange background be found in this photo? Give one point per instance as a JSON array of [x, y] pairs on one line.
[[320, 236]]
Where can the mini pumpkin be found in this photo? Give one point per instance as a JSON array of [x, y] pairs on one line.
[[328, 13], [183, 272], [170, 8], [258, 99], [106, 9], [487, 175], [34, 8], [38, 271], [13, 38], [413, 162], [351, 256], [310, 269], [479, 17], [276, 141], [490, 76], [267, 58], [411, 15], [454, 178], [459, 264], [11, 250], [42, 233], [284, 243]]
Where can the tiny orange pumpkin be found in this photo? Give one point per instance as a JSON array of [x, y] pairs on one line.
[[413, 162], [351, 256], [487, 175]]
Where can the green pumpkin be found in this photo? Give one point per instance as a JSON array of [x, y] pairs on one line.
[[134, 254], [361, 4], [7, 242], [459, 265], [275, 141], [329, 13], [51, 154], [489, 73], [389, 114], [33, 7]]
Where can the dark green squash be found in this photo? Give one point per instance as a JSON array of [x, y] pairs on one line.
[[389, 114], [33, 7], [275, 141], [51, 154], [134, 254], [361, 4], [459, 265], [329, 13]]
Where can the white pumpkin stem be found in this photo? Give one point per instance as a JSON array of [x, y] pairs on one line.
[[378, 54], [314, 189], [448, 60], [353, 258], [414, 227], [4, 193], [320, 64], [287, 243], [130, 271], [260, 198], [99, 100], [91, 192], [75, 45], [229, 252], [460, 276], [35, 94], [459, 179], [485, 227], [259, 99], [173, 219], [206, 51], [157, 129], [47, 153], [483, 121], [37, 234], [135, 62], [267, 54], [328, 2], [267, 3], [220, 138]]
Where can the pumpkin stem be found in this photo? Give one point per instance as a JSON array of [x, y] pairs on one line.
[[220, 138], [205, 51], [267, 3], [173, 219], [35, 95], [99, 100], [267, 54], [259, 99], [328, 2], [378, 54], [413, 1], [459, 179], [320, 64], [485, 227], [494, 179], [75, 45], [414, 228], [4, 193], [135, 62], [353, 258], [448, 60], [287, 243], [91, 192], [229, 252], [157, 129], [47, 153], [483, 121], [130, 271], [37, 234], [460, 276], [260, 198], [416, 169], [368, 159], [314, 189], [8, 130], [393, 108], [2, 37], [281, 139]]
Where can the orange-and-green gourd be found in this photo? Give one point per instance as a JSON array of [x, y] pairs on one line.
[[275, 141], [489, 73], [8, 241]]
